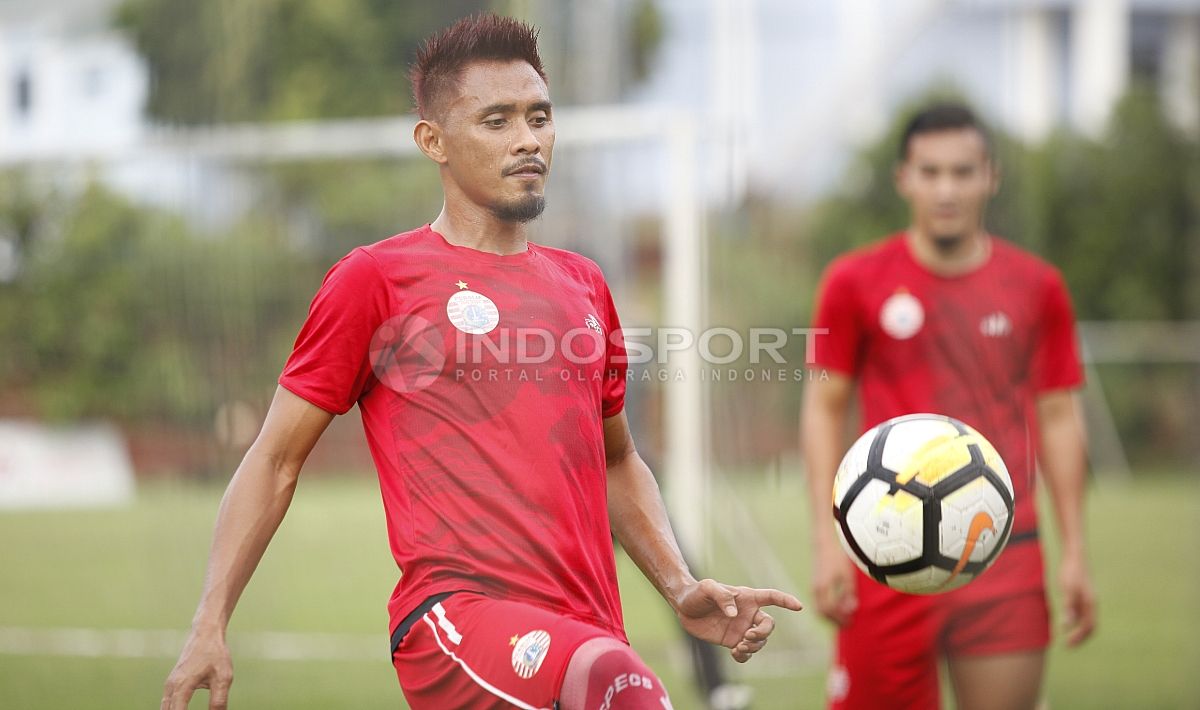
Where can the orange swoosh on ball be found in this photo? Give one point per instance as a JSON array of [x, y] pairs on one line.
[[981, 522]]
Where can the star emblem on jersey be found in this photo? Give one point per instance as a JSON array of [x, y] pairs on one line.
[[472, 313], [902, 315], [594, 323], [529, 652]]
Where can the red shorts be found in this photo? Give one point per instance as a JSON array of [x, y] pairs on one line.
[[888, 654], [471, 651]]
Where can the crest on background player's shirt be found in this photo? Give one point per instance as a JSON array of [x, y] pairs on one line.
[[472, 313], [529, 652], [995, 325], [594, 323], [902, 315]]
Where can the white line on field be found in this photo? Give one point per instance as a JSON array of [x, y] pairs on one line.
[[144, 643]]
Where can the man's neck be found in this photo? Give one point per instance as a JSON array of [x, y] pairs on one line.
[[476, 228], [965, 256]]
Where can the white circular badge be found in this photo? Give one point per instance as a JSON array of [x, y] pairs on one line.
[[529, 652], [472, 313], [902, 315]]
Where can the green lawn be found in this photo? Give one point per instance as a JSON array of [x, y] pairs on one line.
[[329, 571]]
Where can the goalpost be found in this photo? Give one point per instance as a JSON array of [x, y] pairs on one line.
[[686, 461]]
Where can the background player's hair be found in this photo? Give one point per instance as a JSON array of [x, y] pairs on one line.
[[442, 58], [942, 117]]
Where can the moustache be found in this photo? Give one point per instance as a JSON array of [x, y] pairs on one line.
[[531, 163]]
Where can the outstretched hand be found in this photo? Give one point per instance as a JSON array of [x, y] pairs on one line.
[[204, 663], [731, 616]]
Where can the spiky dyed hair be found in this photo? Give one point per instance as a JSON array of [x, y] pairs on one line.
[[484, 37]]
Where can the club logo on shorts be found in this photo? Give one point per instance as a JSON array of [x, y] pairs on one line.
[[529, 652], [902, 315], [837, 684], [472, 313], [594, 323]]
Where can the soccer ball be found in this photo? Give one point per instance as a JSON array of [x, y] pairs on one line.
[[923, 503]]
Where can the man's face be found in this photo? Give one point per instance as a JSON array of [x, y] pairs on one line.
[[498, 138], [947, 180]]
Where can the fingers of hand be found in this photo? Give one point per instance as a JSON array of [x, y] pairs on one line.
[[774, 597], [835, 601], [1080, 617], [723, 596], [177, 694], [764, 624]]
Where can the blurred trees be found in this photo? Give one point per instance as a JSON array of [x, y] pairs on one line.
[[266, 60], [121, 311]]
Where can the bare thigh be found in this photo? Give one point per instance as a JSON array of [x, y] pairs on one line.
[[1006, 681]]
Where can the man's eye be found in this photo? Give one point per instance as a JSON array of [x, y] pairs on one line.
[[540, 120], [495, 122]]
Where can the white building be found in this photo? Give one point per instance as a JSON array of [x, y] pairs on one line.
[[793, 86], [69, 85]]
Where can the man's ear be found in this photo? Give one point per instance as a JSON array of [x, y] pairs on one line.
[[994, 167], [428, 137]]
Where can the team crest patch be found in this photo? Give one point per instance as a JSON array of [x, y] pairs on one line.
[[594, 323], [995, 325], [472, 313], [837, 684], [529, 652], [902, 315]]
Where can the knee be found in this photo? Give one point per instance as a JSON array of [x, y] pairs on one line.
[[606, 674]]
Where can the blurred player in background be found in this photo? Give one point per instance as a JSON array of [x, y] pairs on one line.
[[946, 318], [501, 474]]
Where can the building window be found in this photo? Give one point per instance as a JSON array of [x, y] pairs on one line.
[[1147, 35], [23, 94]]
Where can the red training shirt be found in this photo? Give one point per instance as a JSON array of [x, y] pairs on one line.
[[483, 381], [978, 347]]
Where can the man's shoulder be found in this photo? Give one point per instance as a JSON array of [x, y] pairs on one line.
[[570, 261], [396, 245], [1020, 259], [867, 258]]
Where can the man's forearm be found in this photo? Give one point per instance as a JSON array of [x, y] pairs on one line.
[[639, 520], [821, 428], [255, 502], [1063, 460]]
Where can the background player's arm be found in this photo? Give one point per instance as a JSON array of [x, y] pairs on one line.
[[253, 506], [822, 429], [1063, 461], [719, 613]]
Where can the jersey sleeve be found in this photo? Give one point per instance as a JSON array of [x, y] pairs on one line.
[[837, 311], [1056, 363], [330, 362], [616, 361]]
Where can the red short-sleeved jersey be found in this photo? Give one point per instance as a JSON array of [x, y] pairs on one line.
[[482, 381], [978, 347]]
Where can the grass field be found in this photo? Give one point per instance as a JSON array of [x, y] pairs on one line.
[[69, 580]]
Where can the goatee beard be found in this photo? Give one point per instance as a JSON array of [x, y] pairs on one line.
[[521, 211], [946, 244]]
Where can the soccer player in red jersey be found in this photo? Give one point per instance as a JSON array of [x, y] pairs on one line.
[[490, 375], [949, 319]]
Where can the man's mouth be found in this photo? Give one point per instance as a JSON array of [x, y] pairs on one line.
[[527, 170]]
